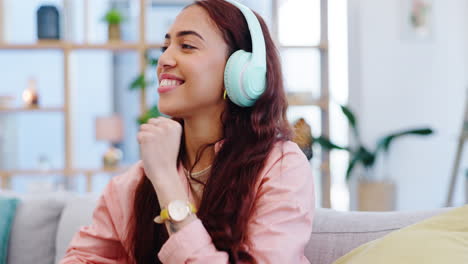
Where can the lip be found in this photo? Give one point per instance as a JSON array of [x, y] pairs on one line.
[[166, 89], [170, 77]]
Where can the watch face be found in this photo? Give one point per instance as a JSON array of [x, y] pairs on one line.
[[178, 210]]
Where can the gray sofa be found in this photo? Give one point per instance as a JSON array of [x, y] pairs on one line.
[[44, 225]]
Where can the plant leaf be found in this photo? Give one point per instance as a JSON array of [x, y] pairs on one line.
[[151, 113], [351, 119], [153, 61], [384, 143], [138, 83], [361, 156], [327, 144], [349, 115], [113, 16], [351, 165], [367, 157]]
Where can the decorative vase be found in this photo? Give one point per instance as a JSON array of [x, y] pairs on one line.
[[48, 23], [112, 158], [376, 195], [113, 31]]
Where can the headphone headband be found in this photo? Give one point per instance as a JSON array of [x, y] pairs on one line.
[[256, 34], [245, 72]]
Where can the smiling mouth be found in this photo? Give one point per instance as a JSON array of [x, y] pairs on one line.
[[167, 85], [170, 83]]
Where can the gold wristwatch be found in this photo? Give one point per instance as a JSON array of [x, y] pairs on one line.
[[176, 211]]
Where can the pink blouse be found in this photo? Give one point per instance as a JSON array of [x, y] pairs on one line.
[[278, 230]]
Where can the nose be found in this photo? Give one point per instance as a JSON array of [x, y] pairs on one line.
[[166, 60]]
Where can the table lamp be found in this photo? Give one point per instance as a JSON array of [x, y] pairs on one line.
[[30, 94], [110, 128]]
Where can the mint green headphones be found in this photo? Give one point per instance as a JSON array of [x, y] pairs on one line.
[[245, 72]]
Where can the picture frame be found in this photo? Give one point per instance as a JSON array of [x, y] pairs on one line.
[[417, 20]]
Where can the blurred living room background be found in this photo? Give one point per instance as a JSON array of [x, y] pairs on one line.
[[382, 84]]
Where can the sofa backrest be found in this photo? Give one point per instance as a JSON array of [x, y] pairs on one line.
[[334, 233], [77, 212], [45, 225], [337, 233]]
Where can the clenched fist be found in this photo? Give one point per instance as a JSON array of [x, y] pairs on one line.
[[159, 141]]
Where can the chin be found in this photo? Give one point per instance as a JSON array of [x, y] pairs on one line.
[[170, 109], [168, 112], [180, 108]]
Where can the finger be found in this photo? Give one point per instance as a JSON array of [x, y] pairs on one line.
[[152, 127], [147, 127], [166, 124], [161, 120], [155, 121], [144, 137]]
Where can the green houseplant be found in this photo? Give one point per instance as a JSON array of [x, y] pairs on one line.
[[114, 18], [360, 154], [140, 82], [371, 194]]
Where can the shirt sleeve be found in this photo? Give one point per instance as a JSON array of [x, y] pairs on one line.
[[278, 230], [99, 242], [281, 225]]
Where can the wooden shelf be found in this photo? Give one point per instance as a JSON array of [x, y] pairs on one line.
[[42, 45], [5, 176], [27, 109], [61, 45], [322, 46], [305, 98], [154, 46], [115, 46], [64, 171], [140, 46], [105, 46]]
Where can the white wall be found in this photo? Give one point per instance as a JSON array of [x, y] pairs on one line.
[[397, 83]]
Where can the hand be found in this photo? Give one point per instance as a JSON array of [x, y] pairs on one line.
[[159, 141]]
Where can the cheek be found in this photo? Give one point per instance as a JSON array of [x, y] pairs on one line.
[[208, 76]]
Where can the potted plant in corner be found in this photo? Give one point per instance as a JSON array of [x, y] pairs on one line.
[[114, 18], [373, 195], [140, 82]]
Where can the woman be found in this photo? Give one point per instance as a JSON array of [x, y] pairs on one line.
[[226, 158]]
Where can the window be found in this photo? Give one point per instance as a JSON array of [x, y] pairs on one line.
[[312, 38]]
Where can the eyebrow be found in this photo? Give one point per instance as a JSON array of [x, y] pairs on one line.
[[185, 33]]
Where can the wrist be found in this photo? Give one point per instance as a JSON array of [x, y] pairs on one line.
[[169, 188], [167, 195], [161, 173], [164, 178], [173, 227]]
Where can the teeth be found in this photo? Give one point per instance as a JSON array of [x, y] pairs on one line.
[[167, 82]]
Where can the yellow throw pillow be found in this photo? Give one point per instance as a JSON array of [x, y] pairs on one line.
[[441, 239]]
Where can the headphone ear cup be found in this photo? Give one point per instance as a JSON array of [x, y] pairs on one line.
[[254, 82], [235, 75]]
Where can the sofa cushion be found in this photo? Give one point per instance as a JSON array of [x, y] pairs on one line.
[[77, 212], [7, 214], [440, 239], [336, 233], [33, 233]]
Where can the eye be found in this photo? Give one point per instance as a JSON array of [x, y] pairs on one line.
[[186, 46], [163, 49]]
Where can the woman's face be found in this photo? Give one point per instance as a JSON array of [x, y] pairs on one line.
[[191, 69]]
